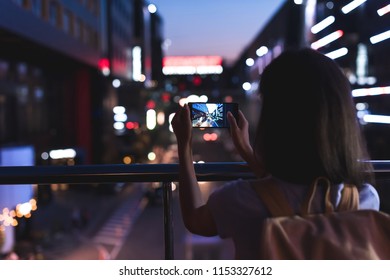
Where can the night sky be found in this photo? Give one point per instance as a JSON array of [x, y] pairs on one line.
[[213, 27]]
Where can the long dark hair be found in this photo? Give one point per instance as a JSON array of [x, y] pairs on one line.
[[308, 125]]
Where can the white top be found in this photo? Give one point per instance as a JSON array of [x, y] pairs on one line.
[[238, 211]]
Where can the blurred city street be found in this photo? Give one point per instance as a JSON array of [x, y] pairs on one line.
[[125, 226], [96, 83], [124, 221]]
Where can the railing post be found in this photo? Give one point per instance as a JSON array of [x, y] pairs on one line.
[[168, 223]]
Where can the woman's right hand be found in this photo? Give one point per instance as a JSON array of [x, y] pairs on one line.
[[239, 131]]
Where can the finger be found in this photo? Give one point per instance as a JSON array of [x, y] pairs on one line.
[[242, 121], [186, 109], [232, 120], [184, 116], [241, 116], [177, 117]]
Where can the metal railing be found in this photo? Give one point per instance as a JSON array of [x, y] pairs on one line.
[[164, 173]]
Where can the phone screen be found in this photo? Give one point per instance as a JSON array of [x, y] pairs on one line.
[[212, 115]]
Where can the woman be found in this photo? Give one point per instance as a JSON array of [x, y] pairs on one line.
[[307, 129]]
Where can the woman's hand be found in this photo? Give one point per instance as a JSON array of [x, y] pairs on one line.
[[181, 124], [196, 214], [239, 131]]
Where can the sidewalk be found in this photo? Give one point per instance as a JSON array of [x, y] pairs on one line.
[[64, 228], [121, 227]]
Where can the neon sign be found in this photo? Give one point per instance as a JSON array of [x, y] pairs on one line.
[[189, 65]]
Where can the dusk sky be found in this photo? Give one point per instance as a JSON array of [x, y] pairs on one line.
[[213, 27]]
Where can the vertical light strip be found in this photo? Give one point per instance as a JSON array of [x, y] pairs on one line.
[[352, 5], [137, 63], [151, 119]]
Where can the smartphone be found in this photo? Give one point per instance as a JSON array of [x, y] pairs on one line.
[[213, 115]]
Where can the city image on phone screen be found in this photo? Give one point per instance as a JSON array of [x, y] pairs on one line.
[[212, 115]]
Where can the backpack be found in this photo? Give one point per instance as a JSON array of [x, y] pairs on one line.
[[342, 233]]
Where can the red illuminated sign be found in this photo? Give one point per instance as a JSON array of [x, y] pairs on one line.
[[189, 65], [104, 63], [193, 61]]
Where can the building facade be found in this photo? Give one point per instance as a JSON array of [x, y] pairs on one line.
[[353, 33], [58, 60], [65, 66]]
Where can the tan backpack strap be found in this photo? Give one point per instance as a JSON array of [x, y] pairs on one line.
[[306, 207], [273, 199], [349, 198]]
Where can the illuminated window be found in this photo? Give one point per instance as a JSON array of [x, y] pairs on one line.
[[77, 28], [36, 7], [66, 21], [53, 13], [95, 39], [93, 6], [87, 35], [19, 2], [3, 69]]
